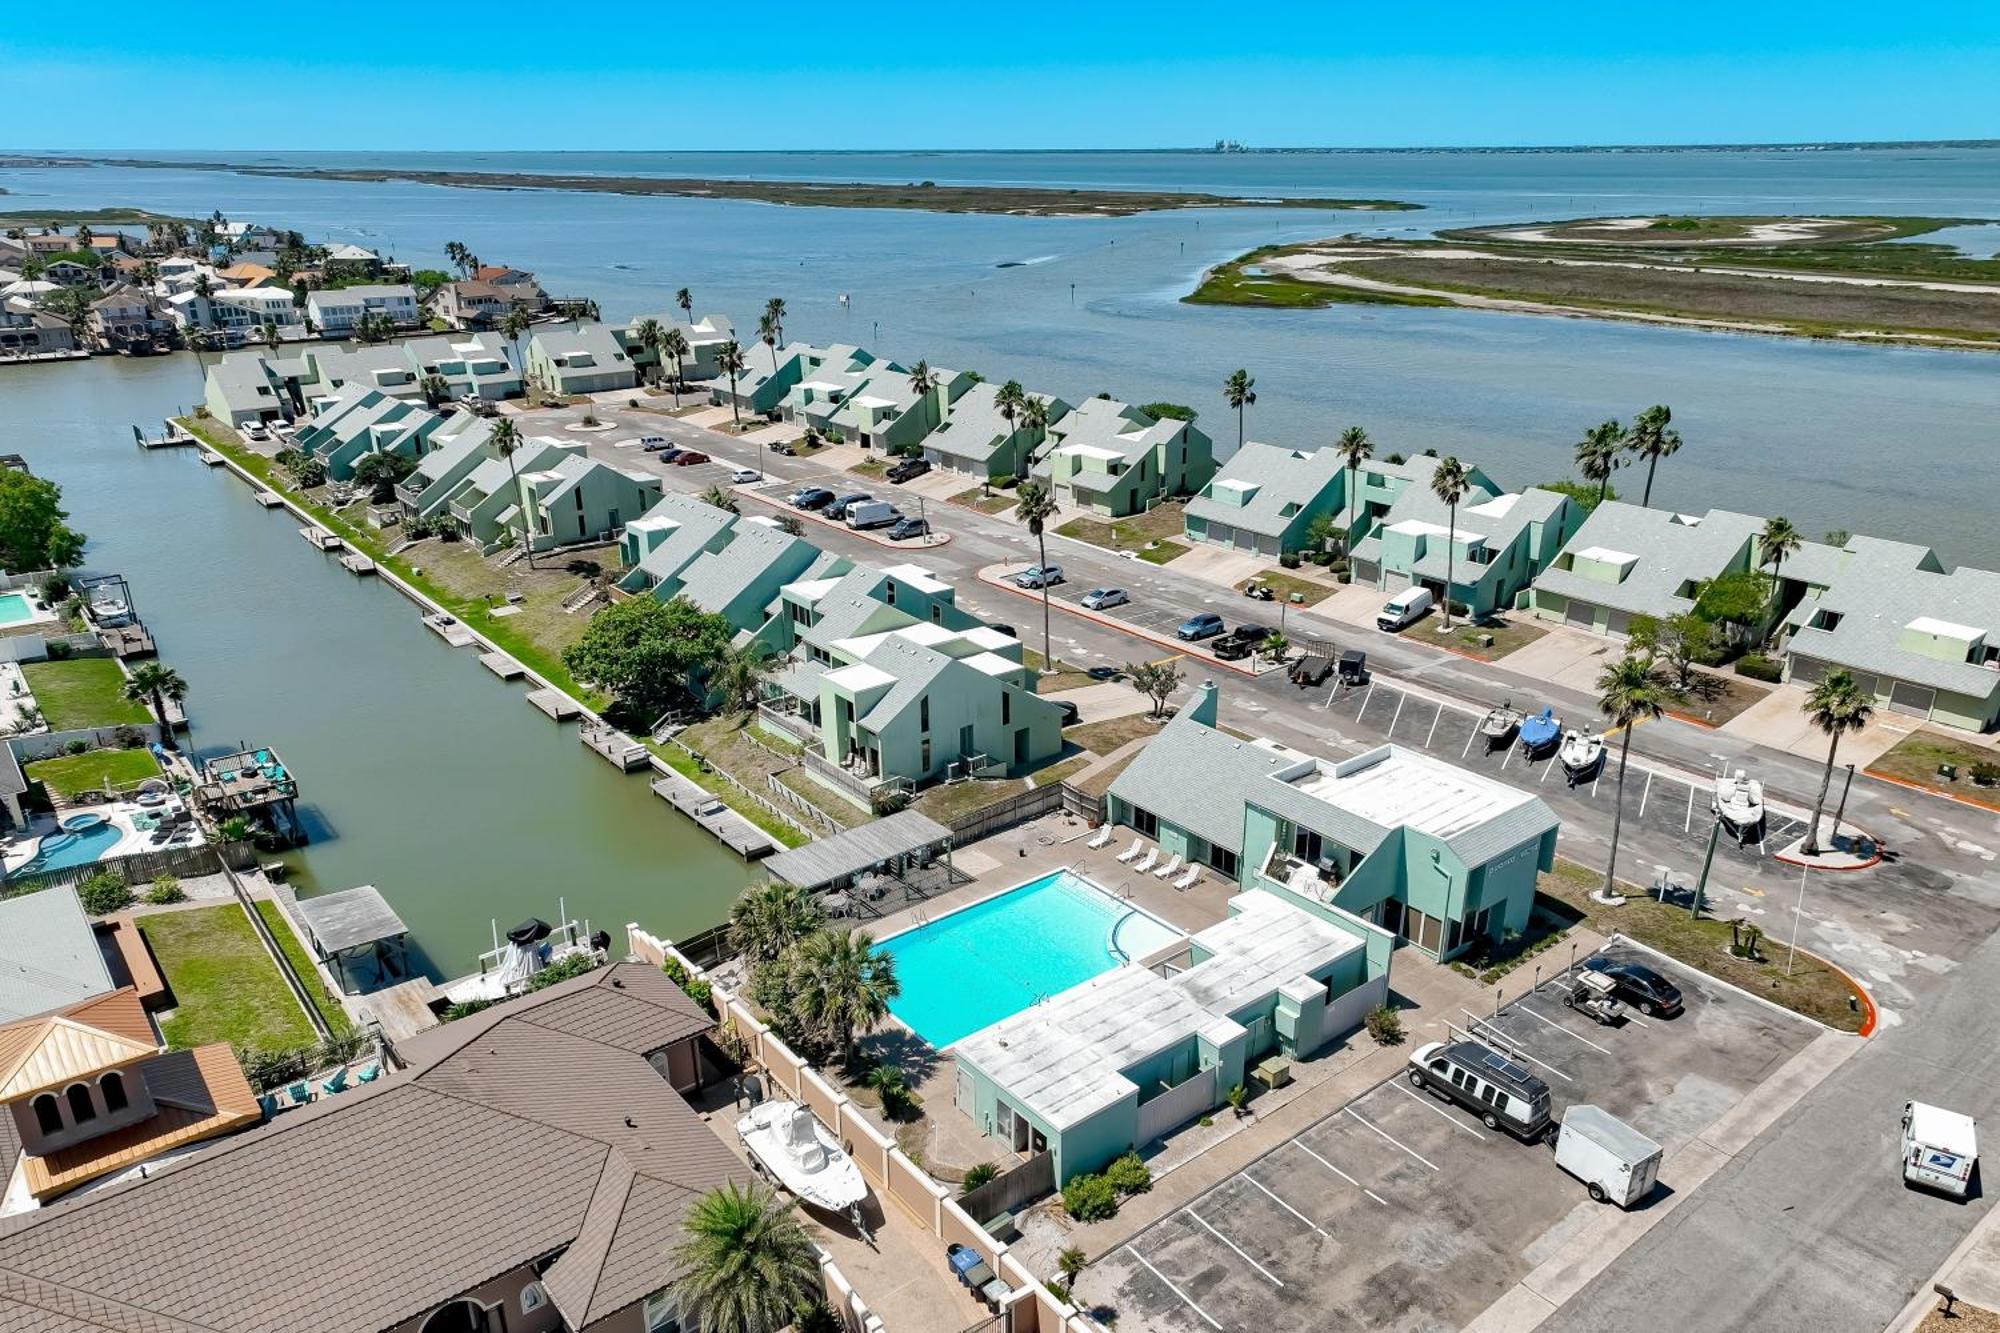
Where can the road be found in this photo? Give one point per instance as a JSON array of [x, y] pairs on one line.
[[1811, 1227]]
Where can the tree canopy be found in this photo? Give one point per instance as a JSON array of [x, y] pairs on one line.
[[648, 653], [32, 532]]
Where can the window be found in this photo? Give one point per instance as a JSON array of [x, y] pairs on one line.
[[1006, 707], [112, 1088], [48, 1114], [1223, 860], [937, 614], [925, 761], [533, 1298], [661, 1316], [889, 591], [1146, 822], [924, 715], [81, 1108]]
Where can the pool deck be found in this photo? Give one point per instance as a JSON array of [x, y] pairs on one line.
[[132, 839]]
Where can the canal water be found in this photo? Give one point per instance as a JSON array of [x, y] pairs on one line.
[[420, 771]]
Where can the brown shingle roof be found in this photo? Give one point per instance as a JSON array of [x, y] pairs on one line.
[[508, 1143]]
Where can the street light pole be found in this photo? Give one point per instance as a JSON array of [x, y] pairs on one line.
[[1707, 860], [1798, 909]]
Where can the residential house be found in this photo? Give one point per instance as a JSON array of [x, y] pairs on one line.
[[1114, 460], [547, 1138], [486, 504], [246, 274], [240, 388], [578, 358], [337, 310], [454, 450], [767, 377], [705, 340], [1626, 560], [723, 564], [1265, 498], [473, 366], [238, 312], [50, 957], [576, 499], [357, 420], [1491, 548], [351, 261], [72, 271], [478, 304], [824, 377], [886, 412], [1111, 1064], [28, 331], [1439, 856], [1920, 640], [248, 235], [974, 437], [123, 319]]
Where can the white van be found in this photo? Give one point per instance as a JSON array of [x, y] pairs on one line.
[[1615, 1162], [872, 514], [1405, 608], [1940, 1149]]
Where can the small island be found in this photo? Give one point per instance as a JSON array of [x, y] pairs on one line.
[[1861, 278], [926, 196]]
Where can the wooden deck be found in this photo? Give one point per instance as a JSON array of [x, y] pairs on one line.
[[502, 666], [127, 641], [320, 539], [357, 564], [403, 1010], [616, 748], [450, 629], [735, 832], [270, 499], [209, 458], [556, 704]]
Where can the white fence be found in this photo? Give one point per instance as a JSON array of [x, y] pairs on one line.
[[1176, 1106]]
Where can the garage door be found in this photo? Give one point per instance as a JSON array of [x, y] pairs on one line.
[[1365, 574], [1222, 533], [1916, 700], [1619, 623], [1395, 580], [1268, 545], [1812, 670], [1245, 540], [1582, 615]]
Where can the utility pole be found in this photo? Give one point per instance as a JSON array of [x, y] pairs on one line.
[[1798, 909], [1841, 810], [1707, 860]]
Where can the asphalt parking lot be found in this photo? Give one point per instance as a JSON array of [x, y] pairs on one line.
[[1401, 1211]]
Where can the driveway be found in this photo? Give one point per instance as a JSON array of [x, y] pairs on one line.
[[1778, 720], [1220, 564]]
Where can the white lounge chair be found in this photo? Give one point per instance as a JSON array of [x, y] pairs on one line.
[[1173, 864], [1187, 881], [1103, 839], [1145, 867], [1131, 854]]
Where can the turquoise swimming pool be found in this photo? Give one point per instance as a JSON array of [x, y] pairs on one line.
[[79, 847], [987, 962], [14, 608]]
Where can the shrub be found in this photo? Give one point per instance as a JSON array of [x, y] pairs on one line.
[[983, 1174], [1385, 1025], [166, 889], [1236, 1097], [1206, 1122], [815, 1317], [1129, 1175], [1290, 560], [1985, 774], [104, 893], [575, 965], [1090, 1199], [465, 1009], [77, 747], [694, 989], [59, 650], [1759, 667], [129, 737], [55, 587], [233, 829]]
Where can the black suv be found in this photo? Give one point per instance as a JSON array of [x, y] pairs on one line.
[[1239, 642], [907, 470], [1639, 986], [812, 497]]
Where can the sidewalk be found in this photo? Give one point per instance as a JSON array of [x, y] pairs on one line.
[[1971, 1273]]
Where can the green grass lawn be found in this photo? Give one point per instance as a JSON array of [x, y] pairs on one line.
[[1160, 552], [1508, 635], [1283, 586], [226, 985], [1916, 759], [69, 774], [1162, 523], [998, 502], [1063, 769], [82, 692], [281, 930], [681, 762], [953, 801], [1106, 736]]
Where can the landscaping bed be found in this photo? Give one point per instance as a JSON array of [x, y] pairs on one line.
[[95, 770], [997, 502], [1915, 759], [330, 1011], [1284, 586], [1815, 988], [225, 984], [1106, 736], [1713, 698], [83, 692]]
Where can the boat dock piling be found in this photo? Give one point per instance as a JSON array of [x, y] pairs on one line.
[[320, 539], [172, 437]]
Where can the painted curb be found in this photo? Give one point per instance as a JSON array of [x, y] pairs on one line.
[[937, 538], [1868, 1020], [1938, 792]]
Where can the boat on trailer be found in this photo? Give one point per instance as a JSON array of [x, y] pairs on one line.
[[1499, 725], [790, 1143], [1541, 732], [1739, 802], [1582, 752]]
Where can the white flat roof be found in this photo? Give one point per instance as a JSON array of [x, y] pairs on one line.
[[1606, 555], [1417, 527], [860, 676], [1091, 451], [985, 636], [1944, 629], [992, 664], [919, 578], [1394, 787], [1498, 507], [812, 589]]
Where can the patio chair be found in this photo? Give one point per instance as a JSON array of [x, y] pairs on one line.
[[369, 1072], [1189, 880], [1152, 859], [1131, 854], [1103, 839], [1172, 867], [300, 1093], [337, 1083]]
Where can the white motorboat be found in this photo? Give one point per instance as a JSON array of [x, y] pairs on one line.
[[803, 1154], [1582, 752], [1739, 801], [1498, 726]]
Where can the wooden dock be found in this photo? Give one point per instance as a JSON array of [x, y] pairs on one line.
[[320, 539], [731, 829], [556, 704], [210, 458], [404, 1009], [448, 628], [617, 749], [502, 666], [126, 641], [270, 499], [357, 564]]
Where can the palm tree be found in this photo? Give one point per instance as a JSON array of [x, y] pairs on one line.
[[1449, 484], [741, 672], [744, 1265], [513, 326], [1035, 508], [685, 300], [456, 252], [435, 388], [648, 334], [1836, 706], [1652, 439], [766, 921], [767, 333], [1778, 540], [1010, 400], [775, 308], [717, 498], [1034, 414], [506, 439], [153, 685], [1070, 1263], [197, 342], [1238, 392], [1355, 448], [729, 360], [674, 343], [840, 984], [1628, 694], [1597, 454]]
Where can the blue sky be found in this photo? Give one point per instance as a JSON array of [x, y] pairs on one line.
[[773, 75]]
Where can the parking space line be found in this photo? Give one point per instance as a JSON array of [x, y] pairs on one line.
[[1401, 699], [1468, 743], [1276, 1281], [1429, 735], [1447, 1116], [1392, 1138], [1518, 1049], [1646, 795], [1301, 1146], [1507, 758], [1366, 699], [1630, 1017], [1688, 823], [1546, 770], [1186, 1299], [1539, 1018], [1282, 1204]]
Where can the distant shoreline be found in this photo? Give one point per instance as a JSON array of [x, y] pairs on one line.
[[924, 196]]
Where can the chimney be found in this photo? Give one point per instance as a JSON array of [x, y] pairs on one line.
[[1202, 707]]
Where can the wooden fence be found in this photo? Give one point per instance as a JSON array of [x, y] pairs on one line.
[[140, 868], [1010, 1190]]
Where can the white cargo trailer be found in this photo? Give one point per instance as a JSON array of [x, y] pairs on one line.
[[1615, 1162]]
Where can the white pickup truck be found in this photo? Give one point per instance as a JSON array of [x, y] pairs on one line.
[[1940, 1149]]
